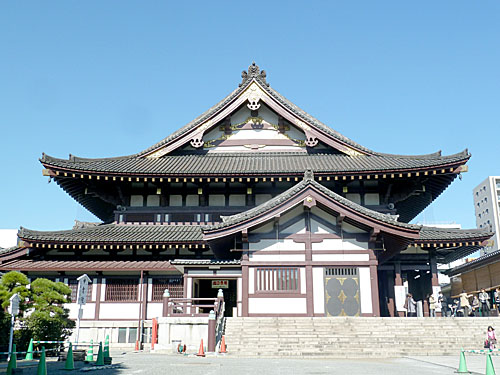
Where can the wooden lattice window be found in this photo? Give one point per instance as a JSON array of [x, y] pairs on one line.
[[73, 285], [173, 284], [122, 290], [270, 279], [347, 271]]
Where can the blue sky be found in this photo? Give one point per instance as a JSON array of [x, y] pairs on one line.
[[99, 79]]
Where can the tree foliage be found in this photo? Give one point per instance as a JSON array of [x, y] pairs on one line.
[[11, 283], [42, 304]]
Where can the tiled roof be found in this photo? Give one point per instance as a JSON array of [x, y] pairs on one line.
[[286, 195], [489, 258], [182, 262], [118, 233], [449, 234], [276, 163], [80, 265]]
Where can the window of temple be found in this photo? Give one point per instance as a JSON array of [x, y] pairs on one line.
[[73, 285], [122, 335], [153, 201], [121, 290], [356, 198], [217, 200], [173, 284], [277, 279], [175, 200], [136, 201], [372, 199], [261, 198], [192, 200], [237, 199]]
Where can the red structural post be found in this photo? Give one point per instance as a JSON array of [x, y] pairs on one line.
[[211, 332], [154, 333], [166, 297]]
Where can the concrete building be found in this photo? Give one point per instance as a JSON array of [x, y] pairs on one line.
[[486, 206]]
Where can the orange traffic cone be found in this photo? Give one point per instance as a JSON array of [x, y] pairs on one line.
[[201, 353], [223, 345], [137, 345]]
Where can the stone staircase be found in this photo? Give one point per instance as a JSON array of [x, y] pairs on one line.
[[350, 337]]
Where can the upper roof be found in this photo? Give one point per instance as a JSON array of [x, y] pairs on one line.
[[239, 164], [158, 159]]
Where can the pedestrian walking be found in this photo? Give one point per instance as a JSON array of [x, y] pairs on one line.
[[432, 306], [491, 338], [464, 302], [443, 303], [484, 300], [410, 306], [475, 306]]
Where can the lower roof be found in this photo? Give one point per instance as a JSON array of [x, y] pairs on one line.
[[84, 266]]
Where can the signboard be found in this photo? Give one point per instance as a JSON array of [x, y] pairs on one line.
[[14, 304], [220, 284], [83, 287], [400, 294]]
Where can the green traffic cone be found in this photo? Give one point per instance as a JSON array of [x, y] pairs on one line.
[[29, 354], [490, 370], [42, 366], [12, 361], [462, 367], [90, 352], [70, 363], [106, 347], [100, 356]]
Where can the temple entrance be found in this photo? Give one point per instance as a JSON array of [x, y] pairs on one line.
[[208, 288]]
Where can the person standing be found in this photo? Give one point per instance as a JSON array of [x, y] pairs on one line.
[[492, 340], [475, 306], [411, 306], [464, 302], [432, 306], [443, 302], [497, 299], [484, 300]]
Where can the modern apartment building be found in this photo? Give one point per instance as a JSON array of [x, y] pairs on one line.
[[487, 209]]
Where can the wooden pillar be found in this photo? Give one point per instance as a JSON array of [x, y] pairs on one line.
[[375, 294], [434, 277], [98, 298]]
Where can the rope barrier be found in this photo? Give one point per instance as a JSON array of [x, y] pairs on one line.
[[483, 351], [37, 351]]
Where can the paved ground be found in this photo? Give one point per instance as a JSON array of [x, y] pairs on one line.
[[153, 364]]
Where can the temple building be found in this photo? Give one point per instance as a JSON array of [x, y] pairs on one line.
[[259, 198]]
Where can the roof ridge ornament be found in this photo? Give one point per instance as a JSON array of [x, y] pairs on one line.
[[253, 72], [308, 175]]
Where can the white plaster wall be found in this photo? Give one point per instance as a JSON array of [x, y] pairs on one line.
[[94, 289], [303, 286], [277, 258], [337, 244], [351, 228], [103, 289], [340, 257], [267, 114], [150, 289], [277, 306], [189, 287], [270, 245], [88, 310], [318, 290], [119, 311], [155, 310], [188, 330], [365, 290], [251, 280]]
